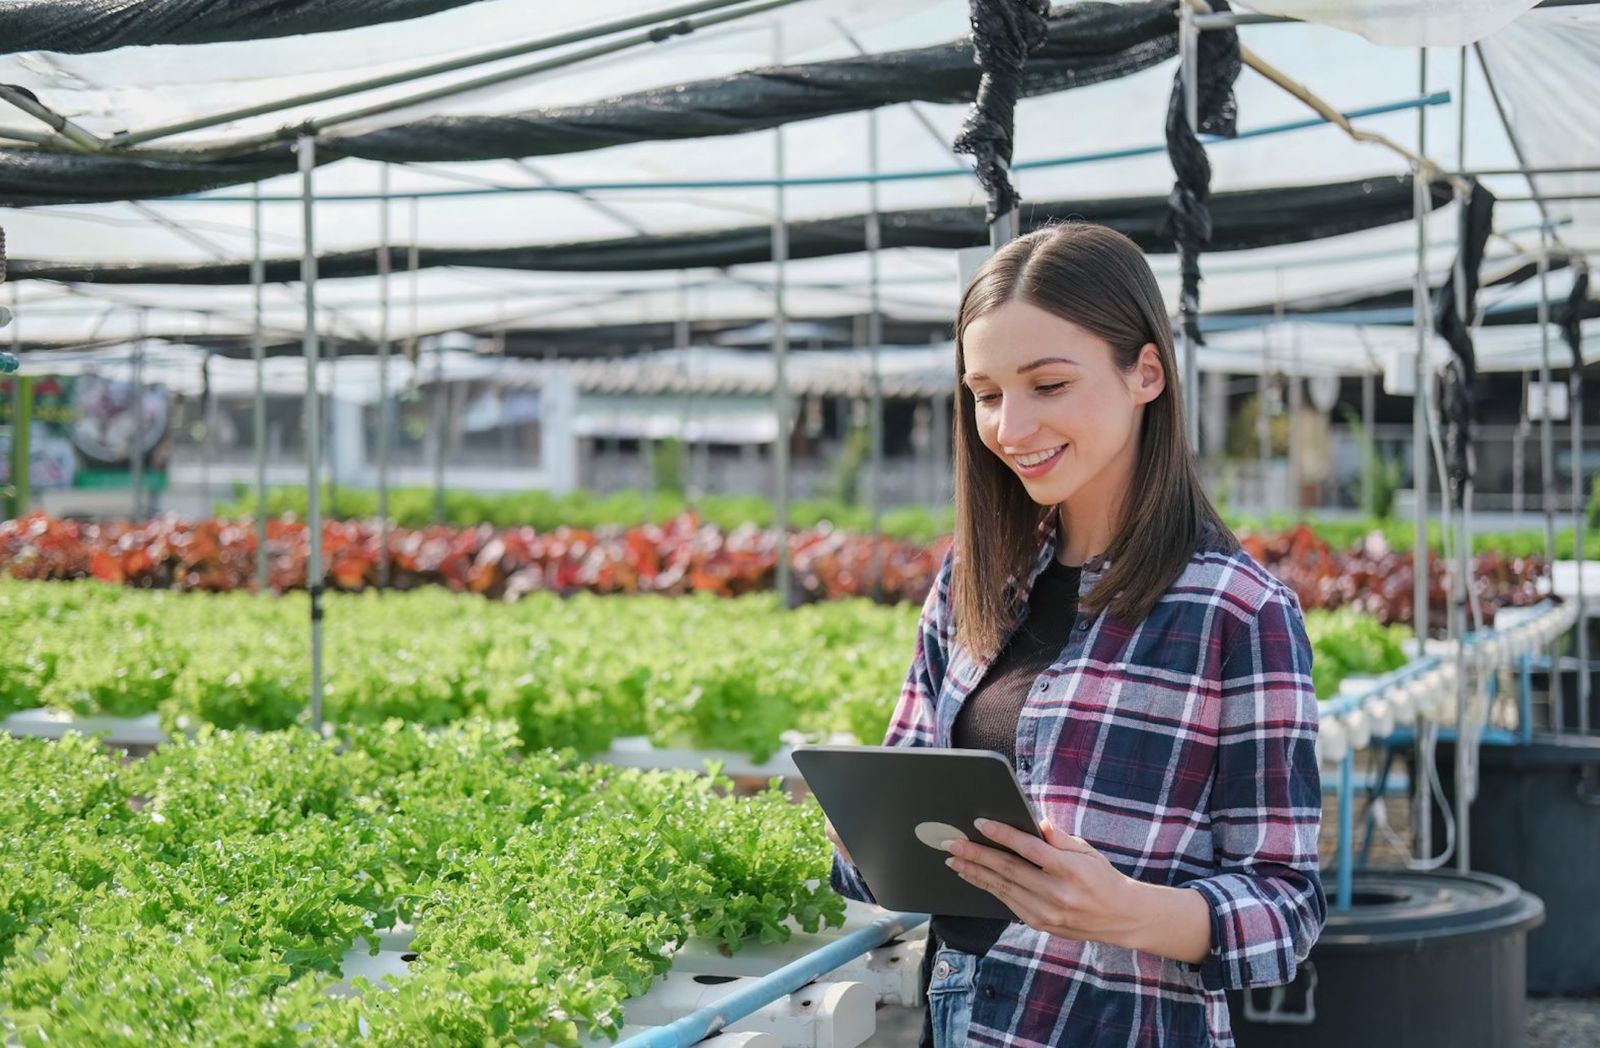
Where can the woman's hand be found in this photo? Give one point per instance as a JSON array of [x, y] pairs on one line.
[[833, 835], [1060, 885]]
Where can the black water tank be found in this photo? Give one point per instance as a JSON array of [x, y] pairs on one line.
[[1420, 960], [1536, 821]]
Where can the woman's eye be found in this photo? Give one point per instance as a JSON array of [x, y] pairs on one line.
[[1054, 387], [985, 398]]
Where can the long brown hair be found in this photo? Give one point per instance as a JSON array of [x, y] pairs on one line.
[[1096, 278]]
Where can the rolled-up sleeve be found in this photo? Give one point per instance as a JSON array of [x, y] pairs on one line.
[[1267, 904], [914, 722]]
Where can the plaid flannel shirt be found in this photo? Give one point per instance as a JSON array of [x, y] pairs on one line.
[[1183, 748]]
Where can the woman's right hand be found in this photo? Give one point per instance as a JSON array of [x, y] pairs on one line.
[[833, 835]]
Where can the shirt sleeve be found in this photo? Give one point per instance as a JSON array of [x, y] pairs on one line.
[[1267, 904], [914, 722]]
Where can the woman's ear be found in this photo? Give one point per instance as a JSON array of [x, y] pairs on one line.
[[1148, 378]]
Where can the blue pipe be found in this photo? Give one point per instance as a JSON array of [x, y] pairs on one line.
[[1525, 700], [1344, 704], [1338, 707], [1346, 822], [714, 1018], [1434, 99]]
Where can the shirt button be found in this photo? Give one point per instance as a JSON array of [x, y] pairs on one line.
[[943, 969], [1084, 624], [988, 991]]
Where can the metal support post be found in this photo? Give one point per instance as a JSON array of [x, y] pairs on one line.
[[21, 442], [385, 401], [258, 355], [875, 344], [1369, 462], [307, 149], [1547, 473], [1419, 459], [1575, 417], [136, 449], [780, 350], [1466, 737]]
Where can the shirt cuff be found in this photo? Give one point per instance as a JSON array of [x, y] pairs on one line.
[[845, 879], [1210, 970]]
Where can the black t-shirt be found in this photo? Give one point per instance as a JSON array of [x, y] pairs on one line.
[[988, 719]]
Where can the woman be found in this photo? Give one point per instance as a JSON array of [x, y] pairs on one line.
[[1151, 684]]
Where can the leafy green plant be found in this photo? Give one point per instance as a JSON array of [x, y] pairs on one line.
[[1346, 642], [209, 894], [414, 507], [701, 671]]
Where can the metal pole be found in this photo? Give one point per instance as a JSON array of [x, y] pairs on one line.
[[654, 19], [875, 343], [1369, 462], [1263, 388], [1188, 57], [329, 400], [258, 355], [441, 424], [1297, 403], [136, 451], [1519, 461], [780, 349], [385, 404], [1422, 805], [19, 468], [1465, 747], [680, 341], [307, 149], [208, 402], [21, 442], [1575, 416], [1547, 468], [942, 435]]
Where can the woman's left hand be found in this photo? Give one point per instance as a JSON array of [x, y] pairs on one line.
[[1060, 885]]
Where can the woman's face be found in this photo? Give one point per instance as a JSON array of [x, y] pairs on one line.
[[1051, 404]]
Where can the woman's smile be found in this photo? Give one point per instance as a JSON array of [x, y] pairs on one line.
[[1038, 463]]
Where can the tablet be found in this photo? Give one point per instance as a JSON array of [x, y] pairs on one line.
[[893, 806]]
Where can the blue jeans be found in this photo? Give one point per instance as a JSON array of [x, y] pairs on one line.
[[950, 997]]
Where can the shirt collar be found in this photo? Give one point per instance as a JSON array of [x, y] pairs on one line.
[[1048, 537]]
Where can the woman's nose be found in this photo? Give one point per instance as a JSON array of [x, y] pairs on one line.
[[1017, 422]]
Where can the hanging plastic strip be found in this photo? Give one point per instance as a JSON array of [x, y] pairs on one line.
[[1189, 220]]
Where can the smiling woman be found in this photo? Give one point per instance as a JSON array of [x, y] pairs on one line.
[[1063, 346], [1098, 625]]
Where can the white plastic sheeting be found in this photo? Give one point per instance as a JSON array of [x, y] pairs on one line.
[[139, 87], [1403, 23], [1547, 67]]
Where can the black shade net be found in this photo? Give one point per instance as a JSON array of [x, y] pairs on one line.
[[1240, 220], [1217, 66], [1086, 43], [1403, 296], [1572, 314], [78, 27], [1452, 320], [1004, 33]]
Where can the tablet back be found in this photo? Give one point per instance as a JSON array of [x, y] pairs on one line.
[[893, 805]]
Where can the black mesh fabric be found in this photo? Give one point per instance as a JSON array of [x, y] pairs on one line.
[[78, 27], [1086, 43], [1240, 220], [1571, 315], [1217, 66], [1004, 32], [1454, 325]]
